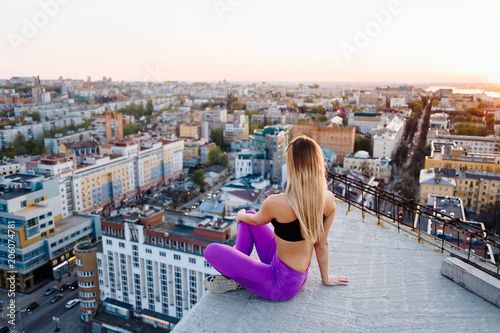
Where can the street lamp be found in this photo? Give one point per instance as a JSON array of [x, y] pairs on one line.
[[21, 319], [56, 319]]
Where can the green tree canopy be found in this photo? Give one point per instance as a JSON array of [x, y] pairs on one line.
[[362, 143], [198, 177], [36, 116], [217, 136], [149, 108]]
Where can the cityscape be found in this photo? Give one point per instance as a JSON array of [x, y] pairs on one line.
[[118, 170]]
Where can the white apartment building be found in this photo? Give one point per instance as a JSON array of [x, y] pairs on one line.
[[387, 138], [255, 106], [105, 182], [378, 167], [153, 260], [366, 122], [473, 144]]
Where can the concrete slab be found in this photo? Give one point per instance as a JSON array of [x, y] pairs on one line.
[[473, 279], [396, 286]]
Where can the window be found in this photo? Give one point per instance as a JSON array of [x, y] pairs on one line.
[[149, 251], [177, 257], [121, 244], [109, 242], [192, 260], [79, 262]]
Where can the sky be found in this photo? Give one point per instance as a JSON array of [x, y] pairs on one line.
[[252, 40]]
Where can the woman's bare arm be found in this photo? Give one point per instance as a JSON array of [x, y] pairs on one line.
[[263, 216], [322, 252]]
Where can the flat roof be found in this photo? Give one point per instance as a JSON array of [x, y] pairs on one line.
[[71, 222], [395, 286], [30, 210]]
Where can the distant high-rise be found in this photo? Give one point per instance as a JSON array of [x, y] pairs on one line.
[[338, 139], [89, 79], [107, 127]]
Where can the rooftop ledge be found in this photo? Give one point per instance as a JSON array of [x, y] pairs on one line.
[[395, 285]]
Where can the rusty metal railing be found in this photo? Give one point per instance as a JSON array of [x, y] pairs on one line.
[[446, 231]]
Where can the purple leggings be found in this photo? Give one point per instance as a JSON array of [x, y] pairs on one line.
[[271, 278]]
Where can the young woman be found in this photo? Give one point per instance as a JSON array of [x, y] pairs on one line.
[[302, 217]]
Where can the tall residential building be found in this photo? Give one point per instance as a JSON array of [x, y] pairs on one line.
[[88, 278], [386, 138], [107, 127], [97, 183], [339, 139], [31, 218], [238, 132], [153, 261], [266, 156]]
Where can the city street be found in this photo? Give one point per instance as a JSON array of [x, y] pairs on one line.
[[40, 318]]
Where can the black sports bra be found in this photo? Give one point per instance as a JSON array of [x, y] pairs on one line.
[[289, 231]]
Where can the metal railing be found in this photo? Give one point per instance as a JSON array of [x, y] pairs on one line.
[[447, 232]]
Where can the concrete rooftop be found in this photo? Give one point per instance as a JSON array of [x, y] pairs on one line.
[[395, 286]]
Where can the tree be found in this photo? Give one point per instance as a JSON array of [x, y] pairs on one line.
[[214, 155], [149, 108], [36, 116], [198, 177], [253, 127], [217, 136], [129, 129], [224, 161], [415, 106], [322, 118], [230, 100], [362, 143]]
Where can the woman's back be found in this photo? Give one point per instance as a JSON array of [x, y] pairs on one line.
[[296, 254]]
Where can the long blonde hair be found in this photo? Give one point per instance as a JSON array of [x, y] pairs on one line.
[[306, 185]]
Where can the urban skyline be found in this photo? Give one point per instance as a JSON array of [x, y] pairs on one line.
[[393, 40]]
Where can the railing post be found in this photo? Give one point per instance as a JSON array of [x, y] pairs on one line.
[[498, 261], [470, 246], [363, 203], [442, 242], [418, 218], [377, 193]]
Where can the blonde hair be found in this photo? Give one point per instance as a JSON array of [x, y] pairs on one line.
[[306, 185]]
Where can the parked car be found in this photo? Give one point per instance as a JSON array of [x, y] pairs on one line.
[[64, 287], [72, 303], [31, 307], [73, 285], [56, 298], [50, 290]]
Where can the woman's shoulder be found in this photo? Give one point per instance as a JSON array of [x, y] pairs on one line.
[[278, 204], [277, 198], [330, 205]]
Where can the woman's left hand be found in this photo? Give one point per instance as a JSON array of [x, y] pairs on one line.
[[336, 280], [240, 215]]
